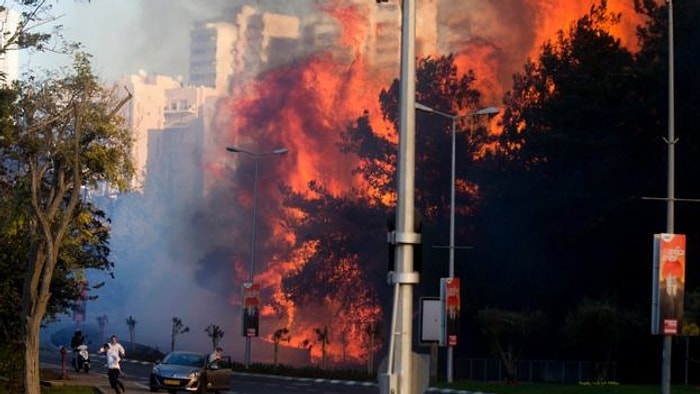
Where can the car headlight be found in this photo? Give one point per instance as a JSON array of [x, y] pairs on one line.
[[193, 374], [155, 371]]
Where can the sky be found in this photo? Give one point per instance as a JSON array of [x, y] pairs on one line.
[[125, 36]]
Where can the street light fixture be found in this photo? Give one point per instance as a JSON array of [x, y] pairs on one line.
[[257, 157], [484, 111]]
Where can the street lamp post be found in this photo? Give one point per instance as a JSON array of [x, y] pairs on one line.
[[451, 247], [256, 157]]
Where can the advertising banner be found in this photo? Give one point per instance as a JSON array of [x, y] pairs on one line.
[[450, 296], [251, 309], [668, 285]]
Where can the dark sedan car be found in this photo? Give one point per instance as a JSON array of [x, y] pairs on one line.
[[192, 372]]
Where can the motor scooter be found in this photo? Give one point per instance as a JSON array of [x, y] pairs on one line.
[[81, 358]]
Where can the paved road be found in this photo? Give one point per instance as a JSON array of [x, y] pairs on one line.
[[137, 374], [243, 383], [261, 384]]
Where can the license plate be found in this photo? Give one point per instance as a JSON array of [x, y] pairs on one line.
[[171, 382]]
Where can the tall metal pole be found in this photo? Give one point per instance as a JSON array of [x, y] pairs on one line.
[[251, 270], [252, 249], [670, 195], [450, 349], [399, 374], [453, 179], [407, 278]]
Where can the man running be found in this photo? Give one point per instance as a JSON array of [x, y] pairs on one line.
[[115, 352]]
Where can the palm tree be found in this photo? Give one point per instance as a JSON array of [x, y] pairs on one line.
[[308, 345], [102, 322], [178, 328], [322, 336], [281, 334], [215, 333], [374, 332], [131, 323]]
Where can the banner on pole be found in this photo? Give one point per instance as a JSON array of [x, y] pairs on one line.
[[668, 286], [251, 309], [450, 296]]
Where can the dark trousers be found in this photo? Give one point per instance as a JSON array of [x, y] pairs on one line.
[[113, 375]]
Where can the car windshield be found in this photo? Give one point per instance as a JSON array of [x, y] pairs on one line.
[[192, 360]]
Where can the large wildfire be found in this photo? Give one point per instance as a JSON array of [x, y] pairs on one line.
[[305, 105]]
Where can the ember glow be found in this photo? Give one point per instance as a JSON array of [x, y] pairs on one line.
[[305, 105]]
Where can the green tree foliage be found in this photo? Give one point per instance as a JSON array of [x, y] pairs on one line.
[[578, 151], [595, 329], [65, 135], [508, 332]]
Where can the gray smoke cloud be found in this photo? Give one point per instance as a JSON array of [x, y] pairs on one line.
[[163, 270], [126, 36]]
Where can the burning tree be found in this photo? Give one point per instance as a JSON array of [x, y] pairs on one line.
[[335, 265], [177, 329]]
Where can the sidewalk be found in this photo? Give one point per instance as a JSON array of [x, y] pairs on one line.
[[95, 379]]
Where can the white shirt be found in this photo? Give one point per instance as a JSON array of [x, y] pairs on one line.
[[115, 352], [216, 356]]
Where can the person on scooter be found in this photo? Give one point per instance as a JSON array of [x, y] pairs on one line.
[[77, 343], [77, 340]]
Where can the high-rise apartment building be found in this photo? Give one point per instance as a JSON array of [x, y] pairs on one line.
[[159, 102], [211, 54], [143, 112], [9, 58]]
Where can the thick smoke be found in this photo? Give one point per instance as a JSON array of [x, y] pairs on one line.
[[187, 259]]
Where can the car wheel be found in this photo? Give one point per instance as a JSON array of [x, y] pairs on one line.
[[153, 385], [202, 388]]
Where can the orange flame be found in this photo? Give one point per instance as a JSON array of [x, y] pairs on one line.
[[304, 107]]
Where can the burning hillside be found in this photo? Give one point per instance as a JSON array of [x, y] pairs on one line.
[[305, 105]]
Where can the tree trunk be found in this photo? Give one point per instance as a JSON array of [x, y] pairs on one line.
[[34, 301], [31, 356]]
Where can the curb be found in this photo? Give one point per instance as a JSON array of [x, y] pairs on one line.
[[351, 383]]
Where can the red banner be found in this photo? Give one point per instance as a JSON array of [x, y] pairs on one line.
[[251, 309], [450, 292], [669, 283]]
